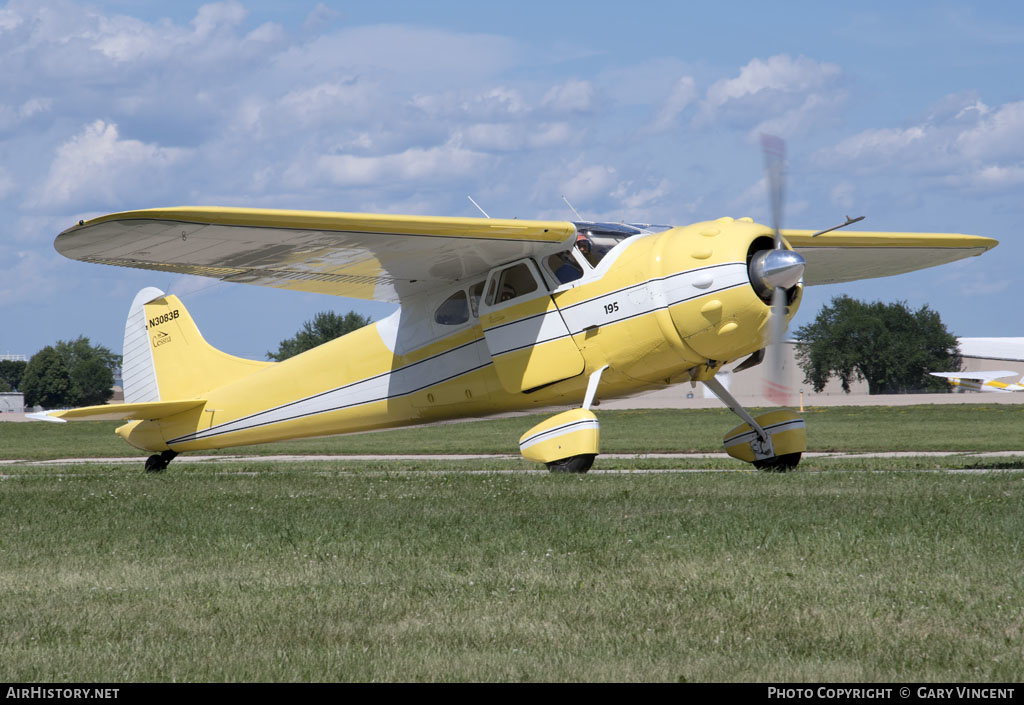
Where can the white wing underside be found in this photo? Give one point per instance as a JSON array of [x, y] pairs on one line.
[[838, 257], [834, 265], [381, 258], [984, 376]]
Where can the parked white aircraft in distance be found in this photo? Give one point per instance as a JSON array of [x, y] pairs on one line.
[[986, 381], [1004, 349]]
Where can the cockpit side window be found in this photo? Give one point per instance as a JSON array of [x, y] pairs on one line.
[[454, 310], [565, 267]]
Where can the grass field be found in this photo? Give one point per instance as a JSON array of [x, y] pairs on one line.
[[846, 570], [922, 428]]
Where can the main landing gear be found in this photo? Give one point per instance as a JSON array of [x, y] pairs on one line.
[[160, 461], [576, 463], [773, 441], [567, 442]]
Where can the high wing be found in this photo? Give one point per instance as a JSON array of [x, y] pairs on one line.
[[391, 257], [365, 256], [984, 376], [847, 256]]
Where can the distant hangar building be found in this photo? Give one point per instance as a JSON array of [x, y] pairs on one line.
[[12, 402]]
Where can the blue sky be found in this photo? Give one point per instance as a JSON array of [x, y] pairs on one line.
[[911, 114]]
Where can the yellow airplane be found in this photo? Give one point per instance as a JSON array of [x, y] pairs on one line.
[[495, 316]]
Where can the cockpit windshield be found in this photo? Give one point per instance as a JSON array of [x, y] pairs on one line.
[[594, 240]]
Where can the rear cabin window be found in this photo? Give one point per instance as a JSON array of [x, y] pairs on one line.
[[454, 310]]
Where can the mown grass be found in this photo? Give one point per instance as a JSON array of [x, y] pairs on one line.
[[850, 569], [280, 572], [938, 427]]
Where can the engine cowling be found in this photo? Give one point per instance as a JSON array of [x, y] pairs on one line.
[[718, 278]]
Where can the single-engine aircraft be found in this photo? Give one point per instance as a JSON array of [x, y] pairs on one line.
[[495, 315], [983, 381]]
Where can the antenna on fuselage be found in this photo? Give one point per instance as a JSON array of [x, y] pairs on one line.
[[578, 216], [478, 206]]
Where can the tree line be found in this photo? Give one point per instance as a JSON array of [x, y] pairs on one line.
[[70, 373]]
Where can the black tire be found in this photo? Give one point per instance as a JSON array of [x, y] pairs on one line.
[[780, 463], [160, 461], [578, 464]]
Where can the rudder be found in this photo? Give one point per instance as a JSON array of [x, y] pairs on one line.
[[166, 357]]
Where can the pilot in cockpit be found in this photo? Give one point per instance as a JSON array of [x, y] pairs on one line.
[[586, 247]]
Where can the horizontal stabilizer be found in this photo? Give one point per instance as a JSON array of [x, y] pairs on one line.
[[120, 412]]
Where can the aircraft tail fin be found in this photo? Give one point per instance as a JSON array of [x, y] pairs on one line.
[[166, 357]]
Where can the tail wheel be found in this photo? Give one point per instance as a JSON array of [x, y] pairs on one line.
[[575, 464], [160, 461]]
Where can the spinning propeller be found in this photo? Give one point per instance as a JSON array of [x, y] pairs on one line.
[[776, 270]]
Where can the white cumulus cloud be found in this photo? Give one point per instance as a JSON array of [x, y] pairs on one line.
[[508, 137], [98, 168], [999, 134], [589, 182], [780, 94], [440, 163], [569, 97], [683, 94], [962, 144]]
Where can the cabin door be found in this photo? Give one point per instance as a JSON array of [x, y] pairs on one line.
[[526, 336]]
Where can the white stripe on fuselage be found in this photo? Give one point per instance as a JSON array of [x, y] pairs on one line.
[[648, 296], [405, 380], [619, 305], [526, 332]]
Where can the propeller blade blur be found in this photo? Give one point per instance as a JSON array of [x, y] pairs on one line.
[[780, 269], [774, 149], [775, 384]]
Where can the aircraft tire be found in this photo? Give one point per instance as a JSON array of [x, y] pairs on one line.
[[578, 464], [780, 463], [159, 461]]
